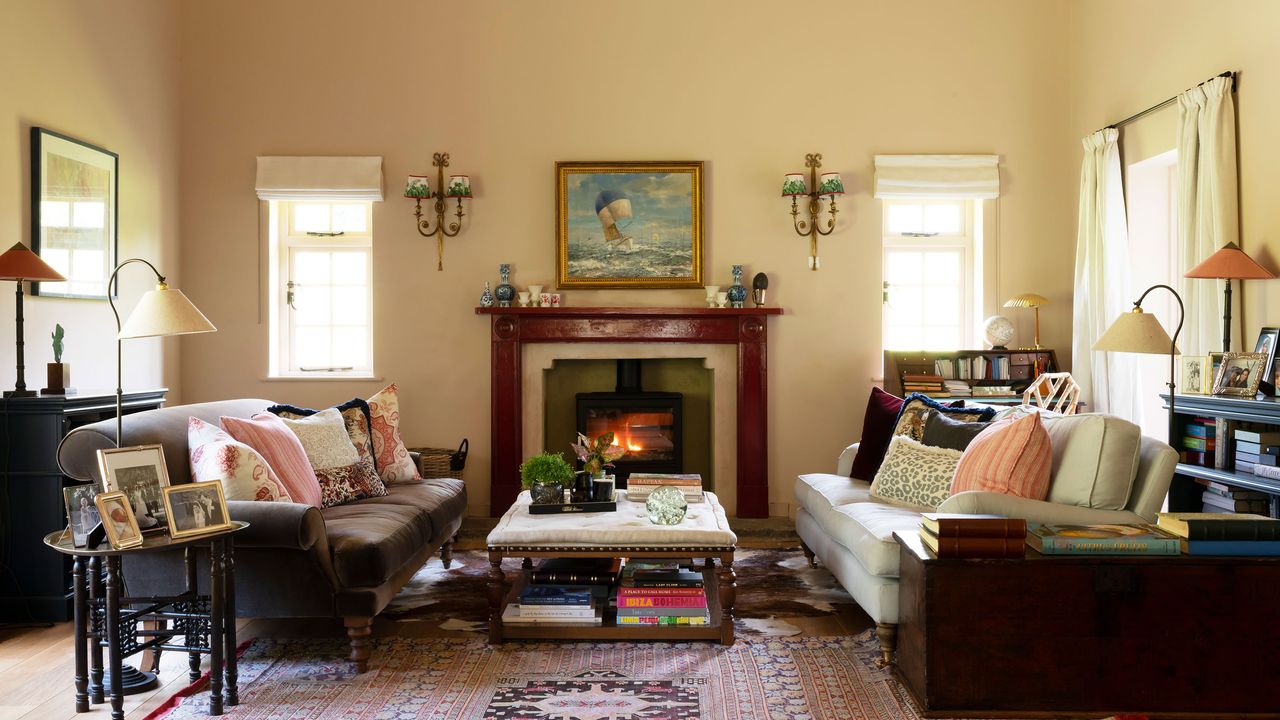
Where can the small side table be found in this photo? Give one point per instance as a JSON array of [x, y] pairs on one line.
[[105, 617]]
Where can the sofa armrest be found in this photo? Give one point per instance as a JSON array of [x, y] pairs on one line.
[[285, 525], [844, 465], [976, 502]]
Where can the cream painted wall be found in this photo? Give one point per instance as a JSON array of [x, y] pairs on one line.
[[1129, 55], [105, 73], [509, 88]]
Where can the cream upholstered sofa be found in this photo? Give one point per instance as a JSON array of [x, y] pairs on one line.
[[1104, 471]]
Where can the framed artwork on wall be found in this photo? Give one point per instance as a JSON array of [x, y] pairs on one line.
[[625, 225], [74, 213], [1239, 374]]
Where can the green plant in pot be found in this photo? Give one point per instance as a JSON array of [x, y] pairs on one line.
[[546, 476]]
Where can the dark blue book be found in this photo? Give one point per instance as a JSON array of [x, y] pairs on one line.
[[1247, 548], [556, 595]]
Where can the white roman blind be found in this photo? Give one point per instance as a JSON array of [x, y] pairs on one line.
[[320, 178], [922, 177]]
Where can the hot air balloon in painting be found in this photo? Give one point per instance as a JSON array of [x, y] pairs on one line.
[[614, 210]]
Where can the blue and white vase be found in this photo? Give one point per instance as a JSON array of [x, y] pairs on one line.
[[737, 293], [486, 297], [504, 291]]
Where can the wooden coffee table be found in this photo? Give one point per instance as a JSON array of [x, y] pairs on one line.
[[1088, 635], [626, 533]]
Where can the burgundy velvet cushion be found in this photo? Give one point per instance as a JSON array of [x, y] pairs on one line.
[[877, 430]]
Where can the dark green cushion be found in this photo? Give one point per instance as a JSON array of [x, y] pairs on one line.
[[942, 431]]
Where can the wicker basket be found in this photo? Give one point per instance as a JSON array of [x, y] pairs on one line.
[[442, 462]]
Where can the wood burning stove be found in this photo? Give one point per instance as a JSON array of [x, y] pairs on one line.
[[648, 424]]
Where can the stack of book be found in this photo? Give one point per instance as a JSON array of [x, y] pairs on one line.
[[931, 385], [1102, 540], [1224, 534], [973, 536], [639, 485], [568, 604], [1254, 448], [1199, 442], [958, 388], [1219, 498], [661, 593], [986, 389]]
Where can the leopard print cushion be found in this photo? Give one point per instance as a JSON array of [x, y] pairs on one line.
[[915, 476]]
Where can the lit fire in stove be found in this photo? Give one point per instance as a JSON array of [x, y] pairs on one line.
[[631, 445]]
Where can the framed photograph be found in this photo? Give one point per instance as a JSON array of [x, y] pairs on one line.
[[197, 508], [1268, 338], [1195, 370], [1239, 374], [74, 207], [118, 520], [82, 513], [138, 472], [626, 225]]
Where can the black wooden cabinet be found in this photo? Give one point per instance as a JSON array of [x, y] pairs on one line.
[[33, 578]]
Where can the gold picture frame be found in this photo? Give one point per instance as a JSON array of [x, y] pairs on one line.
[[628, 225], [196, 509], [118, 520], [141, 474], [1239, 374]]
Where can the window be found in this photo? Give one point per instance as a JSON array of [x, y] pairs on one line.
[[322, 305], [932, 273]]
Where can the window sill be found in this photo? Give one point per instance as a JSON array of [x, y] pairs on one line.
[[322, 378]]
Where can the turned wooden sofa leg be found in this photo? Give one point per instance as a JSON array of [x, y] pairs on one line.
[[813, 559], [888, 637], [358, 631], [446, 552]]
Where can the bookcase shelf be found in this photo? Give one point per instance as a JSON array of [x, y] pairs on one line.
[[1184, 492], [1024, 366]]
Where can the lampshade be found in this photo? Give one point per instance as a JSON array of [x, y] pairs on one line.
[[1136, 332], [830, 184], [459, 187], [793, 184], [19, 263], [417, 186], [1230, 263], [164, 311], [1026, 300]]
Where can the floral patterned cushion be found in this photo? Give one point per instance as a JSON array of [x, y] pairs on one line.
[[244, 474], [914, 475], [392, 457], [342, 485]]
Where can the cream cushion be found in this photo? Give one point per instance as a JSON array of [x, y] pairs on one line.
[[1095, 459]]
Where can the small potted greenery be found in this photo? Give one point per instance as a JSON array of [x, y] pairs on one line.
[[546, 476]]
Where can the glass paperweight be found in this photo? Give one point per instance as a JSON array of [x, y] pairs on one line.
[[666, 506]]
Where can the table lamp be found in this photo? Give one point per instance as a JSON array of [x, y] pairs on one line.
[[1034, 302], [1140, 332], [20, 264], [1229, 262]]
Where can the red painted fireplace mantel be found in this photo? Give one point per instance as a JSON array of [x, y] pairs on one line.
[[744, 327]]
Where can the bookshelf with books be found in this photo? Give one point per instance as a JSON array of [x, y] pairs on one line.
[[1229, 449], [991, 376]]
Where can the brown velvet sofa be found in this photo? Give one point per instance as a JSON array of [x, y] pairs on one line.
[[293, 560]]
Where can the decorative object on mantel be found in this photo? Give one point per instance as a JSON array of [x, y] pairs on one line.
[[544, 299], [712, 291], [737, 293], [486, 297], [1140, 332], [1228, 263], [1034, 302], [666, 505], [829, 186], [535, 292], [504, 292], [759, 284], [418, 188], [59, 373], [722, 299], [628, 225], [998, 331], [555, 300], [546, 477], [20, 264], [524, 298]]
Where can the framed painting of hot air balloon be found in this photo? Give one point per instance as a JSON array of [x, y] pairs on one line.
[[627, 225]]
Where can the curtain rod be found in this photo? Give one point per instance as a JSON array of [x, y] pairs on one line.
[[1228, 74]]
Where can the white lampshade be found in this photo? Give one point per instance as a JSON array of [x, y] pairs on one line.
[[793, 184], [1136, 332], [164, 311]]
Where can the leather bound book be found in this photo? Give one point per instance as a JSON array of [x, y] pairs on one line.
[[952, 525], [974, 547]]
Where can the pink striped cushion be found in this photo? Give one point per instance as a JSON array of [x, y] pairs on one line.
[[277, 444], [1012, 456]]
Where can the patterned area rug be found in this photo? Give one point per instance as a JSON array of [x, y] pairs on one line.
[[465, 679], [773, 586]]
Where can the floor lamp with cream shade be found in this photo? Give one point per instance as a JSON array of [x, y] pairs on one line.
[[21, 264], [1140, 332]]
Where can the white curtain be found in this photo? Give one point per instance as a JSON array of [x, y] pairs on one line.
[[1102, 291], [1207, 212]]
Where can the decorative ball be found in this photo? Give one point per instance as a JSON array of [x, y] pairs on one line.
[[998, 330], [666, 506]]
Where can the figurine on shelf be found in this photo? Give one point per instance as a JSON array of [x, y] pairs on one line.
[[504, 291], [486, 297], [759, 284], [737, 293]]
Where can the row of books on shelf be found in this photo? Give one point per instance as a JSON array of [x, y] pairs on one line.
[[639, 485], [938, 386], [1209, 533], [580, 592], [978, 367], [1220, 443]]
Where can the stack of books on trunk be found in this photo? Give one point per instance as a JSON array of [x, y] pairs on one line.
[[661, 593], [1110, 539], [568, 604], [1199, 442], [973, 536], [639, 485], [1254, 448], [931, 385], [1224, 533], [1219, 498]]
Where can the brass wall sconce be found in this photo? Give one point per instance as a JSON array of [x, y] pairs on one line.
[[418, 188], [830, 185]]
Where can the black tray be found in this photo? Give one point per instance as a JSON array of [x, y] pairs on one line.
[[572, 507]]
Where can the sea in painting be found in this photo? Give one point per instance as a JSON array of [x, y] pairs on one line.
[[629, 225]]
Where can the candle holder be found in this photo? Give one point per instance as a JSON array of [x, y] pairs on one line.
[[829, 186], [418, 188]]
